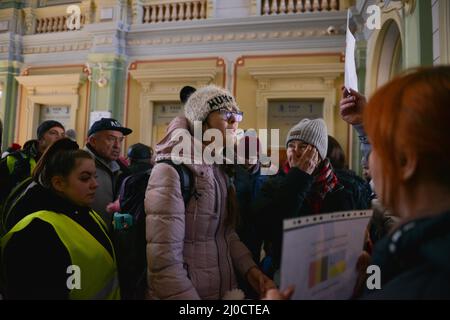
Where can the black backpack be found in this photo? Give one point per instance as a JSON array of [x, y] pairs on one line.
[[132, 190], [130, 244]]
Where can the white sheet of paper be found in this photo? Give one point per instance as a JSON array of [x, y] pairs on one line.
[[351, 78], [320, 253]]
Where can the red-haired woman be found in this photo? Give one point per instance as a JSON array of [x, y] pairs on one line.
[[407, 125]]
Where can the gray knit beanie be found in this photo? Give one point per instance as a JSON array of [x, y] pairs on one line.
[[313, 132], [206, 100]]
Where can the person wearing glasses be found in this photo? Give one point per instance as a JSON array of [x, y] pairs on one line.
[[105, 139], [193, 250]]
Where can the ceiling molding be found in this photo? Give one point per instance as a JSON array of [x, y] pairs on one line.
[[46, 82], [324, 70], [178, 74]]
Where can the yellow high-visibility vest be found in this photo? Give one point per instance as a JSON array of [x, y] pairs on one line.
[[11, 161], [98, 269]]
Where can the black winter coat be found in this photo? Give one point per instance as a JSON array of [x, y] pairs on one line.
[[414, 261], [39, 247], [284, 196]]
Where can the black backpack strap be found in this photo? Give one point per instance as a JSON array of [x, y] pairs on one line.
[[186, 179], [13, 198]]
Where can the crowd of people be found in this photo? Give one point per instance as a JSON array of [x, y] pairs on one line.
[[159, 224]]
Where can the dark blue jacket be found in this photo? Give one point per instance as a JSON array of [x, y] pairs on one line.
[[248, 187], [414, 261], [284, 196]]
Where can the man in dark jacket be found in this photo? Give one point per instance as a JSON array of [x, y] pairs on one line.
[[18, 165], [306, 185], [105, 139]]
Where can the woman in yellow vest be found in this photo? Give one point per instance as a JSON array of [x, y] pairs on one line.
[[62, 251]]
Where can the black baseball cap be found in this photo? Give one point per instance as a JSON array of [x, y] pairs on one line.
[[108, 124]]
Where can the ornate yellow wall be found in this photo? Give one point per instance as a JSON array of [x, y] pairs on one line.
[[153, 81], [257, 81], [61, 85], [262, 79]]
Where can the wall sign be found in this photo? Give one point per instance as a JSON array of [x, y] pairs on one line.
[[283, 115], [58, 113], [165, 112]]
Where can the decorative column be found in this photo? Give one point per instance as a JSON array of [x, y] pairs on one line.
[[137, 9], [88, 9], [418, 34], [106, 62], [210, 11], [106, 74], [30, 21], [8, 99]]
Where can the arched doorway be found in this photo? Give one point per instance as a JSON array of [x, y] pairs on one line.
[[390, 61]]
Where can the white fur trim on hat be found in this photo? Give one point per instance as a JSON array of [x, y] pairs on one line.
[[207, 99]]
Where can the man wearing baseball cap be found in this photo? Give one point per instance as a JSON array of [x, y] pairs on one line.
[[105, 139], [19, 165]]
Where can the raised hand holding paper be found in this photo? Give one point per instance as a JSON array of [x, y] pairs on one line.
[[351, 78]]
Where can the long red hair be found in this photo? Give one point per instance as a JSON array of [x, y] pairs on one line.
[[411, 113]]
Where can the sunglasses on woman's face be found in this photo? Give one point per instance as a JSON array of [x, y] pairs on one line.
[[227, 115]]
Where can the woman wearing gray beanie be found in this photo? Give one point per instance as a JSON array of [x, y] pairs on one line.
[[305, 185], [193, 250]]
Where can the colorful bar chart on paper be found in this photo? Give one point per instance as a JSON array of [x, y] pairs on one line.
[[326, 268]]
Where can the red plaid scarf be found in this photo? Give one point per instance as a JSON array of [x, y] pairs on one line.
[[325, 180]]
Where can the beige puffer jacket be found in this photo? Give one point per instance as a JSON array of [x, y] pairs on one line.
[[191, 254]]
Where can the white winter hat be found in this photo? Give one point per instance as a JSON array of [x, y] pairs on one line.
[[313, 132], [206, 100]]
